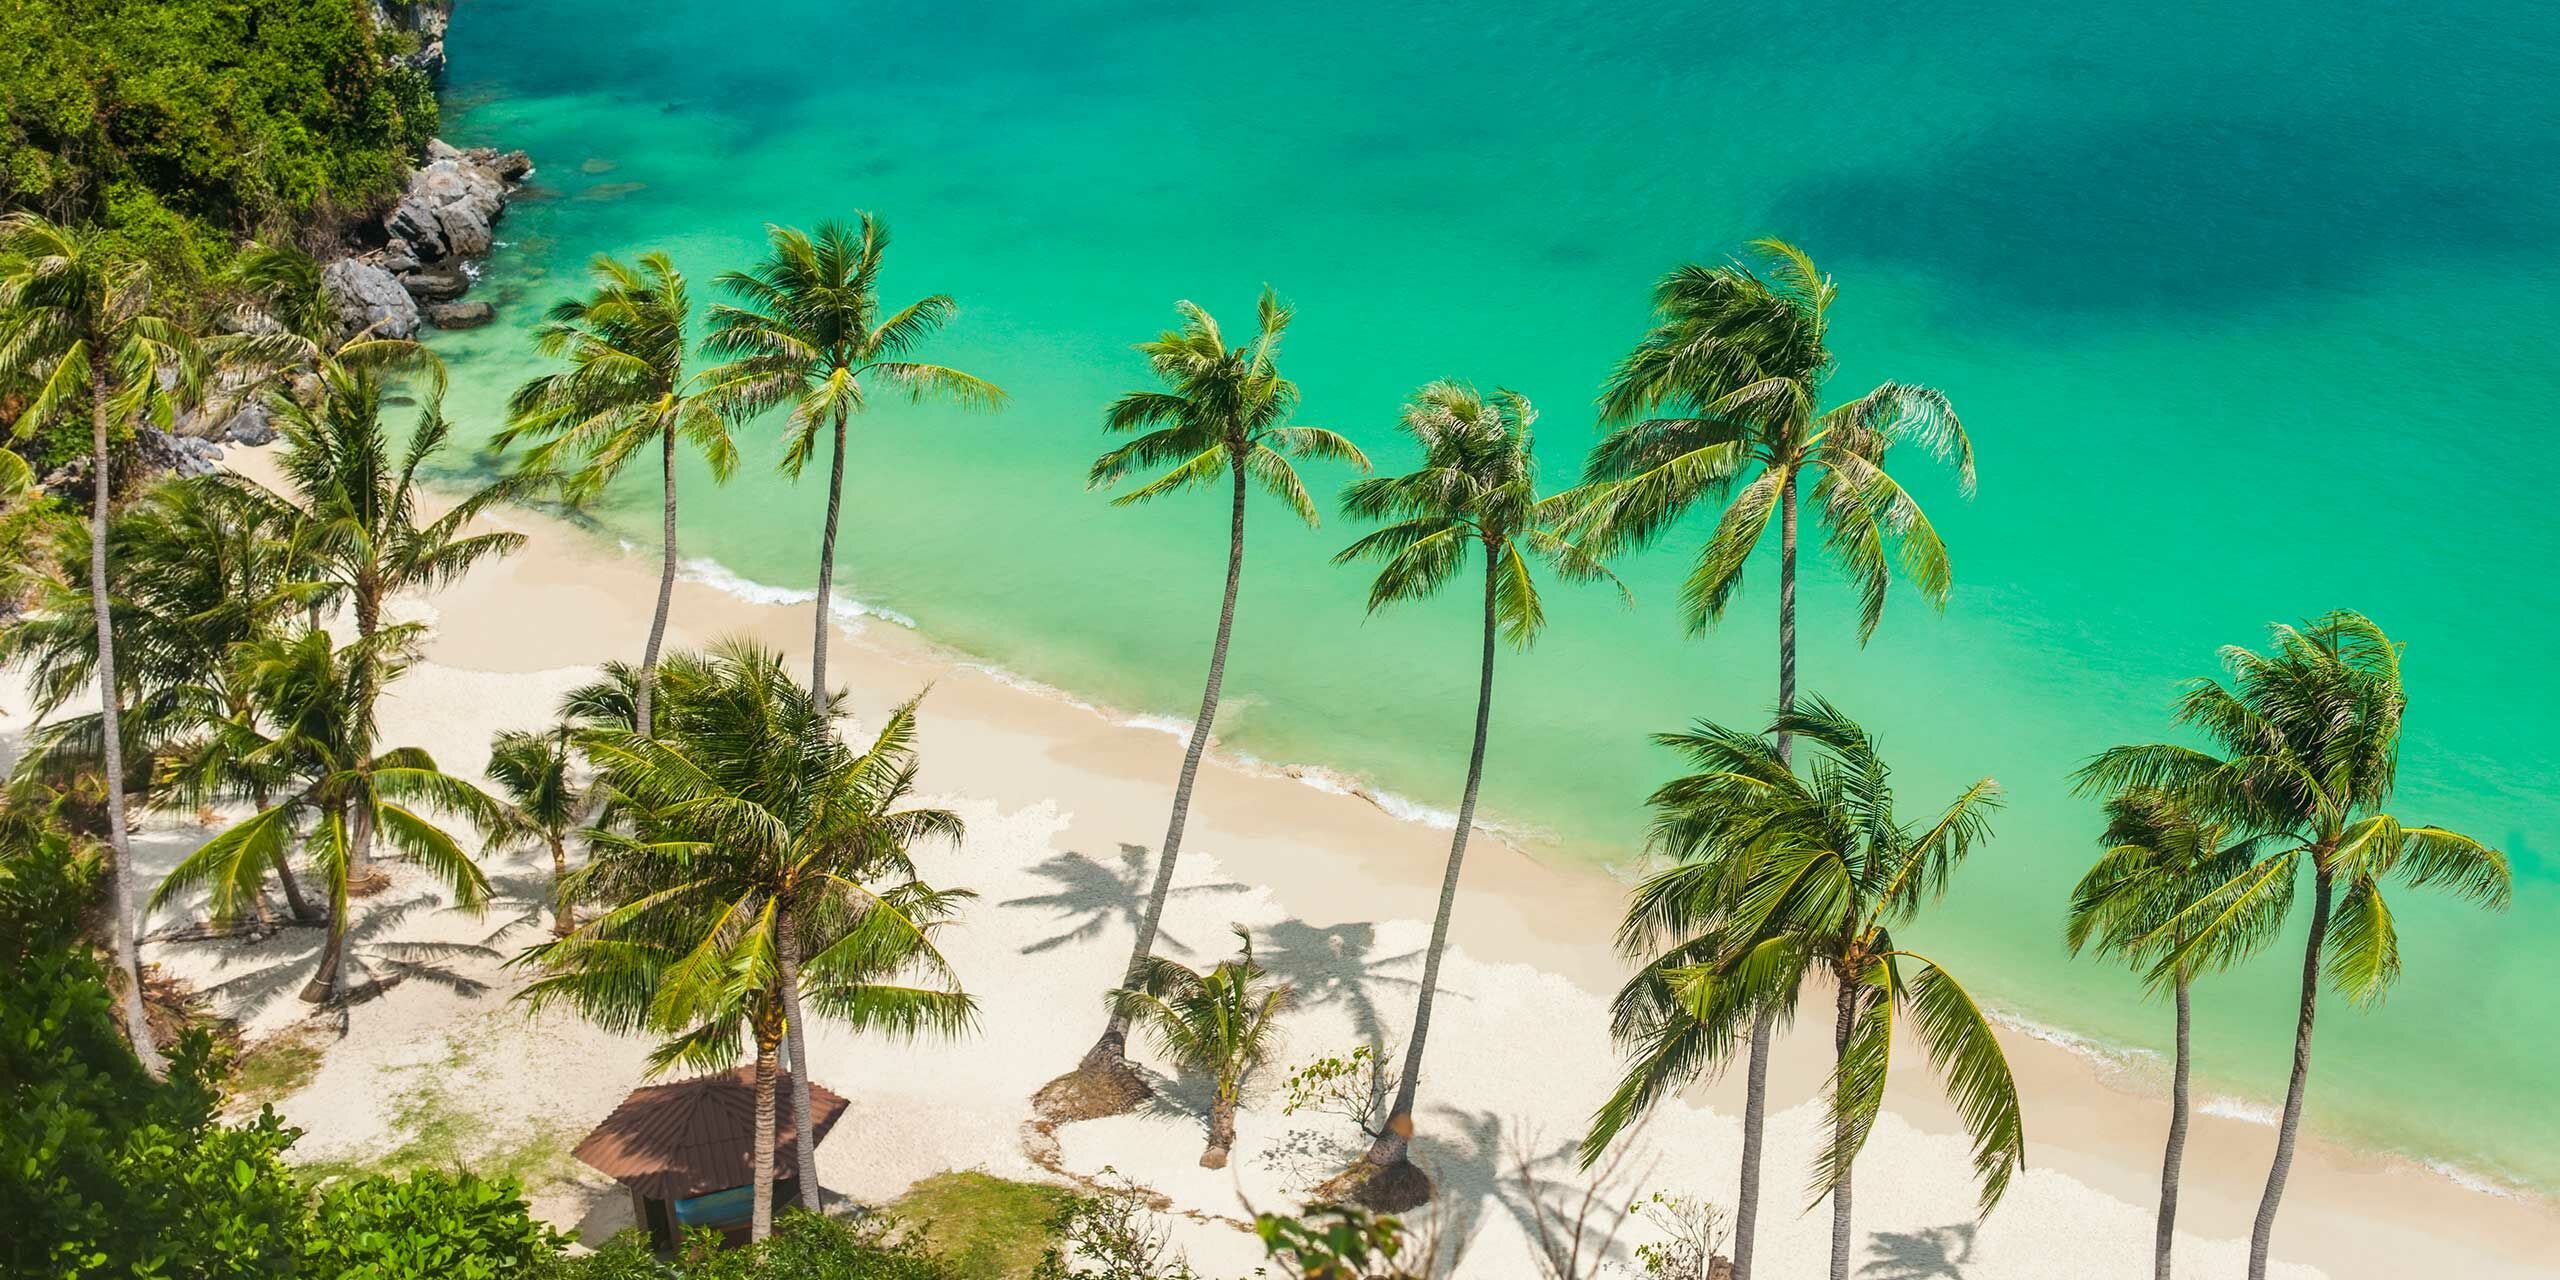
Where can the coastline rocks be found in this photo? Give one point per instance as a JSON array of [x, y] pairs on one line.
[[460, 315], [437, 284], [369, 297], [452, 202], [233, 409], [423, 23]]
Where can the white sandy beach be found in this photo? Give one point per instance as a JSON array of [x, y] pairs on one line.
[[1064, 804]]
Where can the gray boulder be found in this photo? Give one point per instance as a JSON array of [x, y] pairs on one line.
[[437, 284], [452, 202], [370, 297], [460, 315], [233, 406]]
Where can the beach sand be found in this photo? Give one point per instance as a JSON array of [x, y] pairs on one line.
[[1064, 803]]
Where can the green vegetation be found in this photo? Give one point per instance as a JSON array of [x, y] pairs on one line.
[[762, 870], [1223, 1024], [1730, 384], [179, 128], [2309, 736], [277, 1067], [1223, 413], [1476, 488], [805, 331], [985, 1227]]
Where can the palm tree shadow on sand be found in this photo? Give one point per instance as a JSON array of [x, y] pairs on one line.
[[1478, 1161], [1098, 896], [275, 967], [1932, 1253], [1334, 965]]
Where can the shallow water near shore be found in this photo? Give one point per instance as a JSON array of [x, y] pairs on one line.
[[2249, 312]]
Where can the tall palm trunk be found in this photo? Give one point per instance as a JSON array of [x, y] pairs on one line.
[[796, 1043], [1395, 1138], [641, 710], [1844, 1021], [329, 982], [564, 913], [1110, 1053], [294, 902], [768, 1039], [2262, 1236], [1764, 1021], [827, 578], [2165, 1236], [137, 1024]]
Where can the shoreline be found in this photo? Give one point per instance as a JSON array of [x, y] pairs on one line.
[[1000, 739]]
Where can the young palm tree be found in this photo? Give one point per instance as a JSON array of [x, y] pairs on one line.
[[538, 775], [625, 389], [1784, 876], [2159, 860], [1475, 490], [745, 891], [79, 330], [1722, 404], [2310, 735], [318, 699], [1223, 414], [806, 331], [196, 567], [1223, 1024]]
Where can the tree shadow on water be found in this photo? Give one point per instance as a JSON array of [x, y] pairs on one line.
[[1098, 896], [1932, 1253]]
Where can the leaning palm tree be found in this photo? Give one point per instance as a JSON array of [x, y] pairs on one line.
[[766, 872], [316, 700], [2310, 740], [1223, 1024], [2159, 860], [537, 776], [1785, 876], [806, 332], [80, 331], [1476, 490], [196, 567], [625, 389], [1721, 404], [1223, 413]]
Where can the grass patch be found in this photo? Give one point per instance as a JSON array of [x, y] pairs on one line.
[[988, 1228], [277, 1067], [438, 1129]]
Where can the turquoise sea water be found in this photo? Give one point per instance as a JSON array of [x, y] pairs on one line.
[[2250, 310]]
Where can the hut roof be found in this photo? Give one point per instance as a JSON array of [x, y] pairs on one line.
[[693, 1137]]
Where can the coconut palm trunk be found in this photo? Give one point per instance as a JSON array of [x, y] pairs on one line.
[[2165, 1237], [110, 725], [1764, 1022], [768, 1042], [1844, 1022], [1394, 1142], [641, 711], [1110, 1053], [329, 983], [827, 574], [796, 1044], [2262, 1236], [564, 909]]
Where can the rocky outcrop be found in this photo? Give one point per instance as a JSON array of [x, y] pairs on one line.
[[448, 215], [369, 297], [235, 409], [460, 315], [419, 26]]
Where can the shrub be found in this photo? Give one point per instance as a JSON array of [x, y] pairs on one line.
[[430, 1225]]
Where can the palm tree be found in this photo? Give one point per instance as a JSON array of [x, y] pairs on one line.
[[1721, 403], [1476, 489], [317, 699], [1223, 1024], [1785, 875], [745, 890], [2159, 860], [544, 805], [2310, 736], [301, 330], [624, 390], [1223, 413], [80, 329], [197, 566], [806, 331]]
